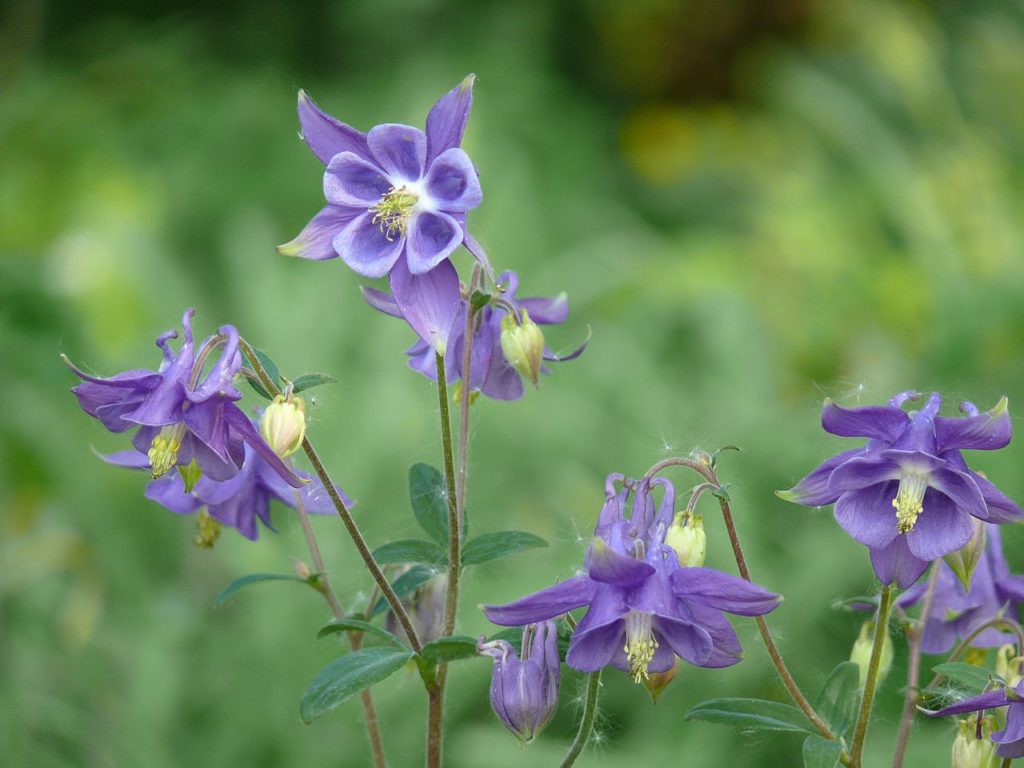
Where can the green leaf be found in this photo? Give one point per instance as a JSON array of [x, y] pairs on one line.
[[754, 714], [410, 551], [973, 678], [254, 382], [451, 648], [405, 584], [490, 546], [349, 624], [346, 676], [821, 753], [252, 578], [310, 380], [429, 501], [839, 698]]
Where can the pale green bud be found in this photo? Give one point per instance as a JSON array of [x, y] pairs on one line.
[[207, 530], [861, 652], [523, 345], [963, 561], [1008, 666], [283, 425], [971, 752], [687, 537]]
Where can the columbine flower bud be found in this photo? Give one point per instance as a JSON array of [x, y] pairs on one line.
[[969, 751], [425, 607], [1008, 666], [861, 653], [284, 424], [301, 568], [963, 561], [523, 345], [687, 537], [524, 693]]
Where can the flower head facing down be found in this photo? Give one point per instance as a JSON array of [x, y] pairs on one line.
[[643, 608], [490, 370], [908, 495], [1010, 740], [956, 612], [182, 414], [524, 692], [397, 197]]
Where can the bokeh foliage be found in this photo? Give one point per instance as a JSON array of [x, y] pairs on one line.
[[753, 205]]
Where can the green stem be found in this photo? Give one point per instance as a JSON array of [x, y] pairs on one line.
[[346, 517], [860, 732], [586, 720]]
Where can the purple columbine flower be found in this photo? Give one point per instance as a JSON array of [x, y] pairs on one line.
[[524, 692], [644, 609], [908, 494], [490, 372], [1011, 738], [397, 198], [182, 414], [238, 501], [956, 612]]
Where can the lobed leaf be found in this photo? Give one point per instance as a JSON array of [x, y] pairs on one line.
[[490, 546], [410, 551], [452, 648], [839, 698], [346, 676], [973, 678], [310, 380], [349, 624], [429, 501], [754, 714]]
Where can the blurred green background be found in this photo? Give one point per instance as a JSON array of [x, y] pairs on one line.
[[753, 205]]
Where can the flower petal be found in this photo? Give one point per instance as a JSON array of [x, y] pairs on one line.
[[1001, 508], [401, 150], [611, 567], [447, 120], [353, 182], [973, 704], [430, 303], [813, 490], [241, 424], [593, 650], [169, 492], [688, 641], [1011, 738], [366, 248], [894, 563], [723, 591], [961, 489], [726, 649], [863, 472], [878, 422], [315, 240], [867, 514], [327, 136], [987, 431], [452, 182], [381, 301], [941, 527], [433, 237], [545, 604], [547, 311]]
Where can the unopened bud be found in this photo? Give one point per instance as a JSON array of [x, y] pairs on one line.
[[972, 747], [283, 424], [190, 474], [657, 682], [522, 344], [302, 569], [425, 607], [862, 648], [1008, 666], [687, 537], [963, 561]]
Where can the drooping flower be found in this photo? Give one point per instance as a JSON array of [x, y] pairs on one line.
[[182, 414], [956, 612], [425, 607], [644, 609], [1011, 738], [908, 494], [490, 371], [524, 692], [397, 198], [237, 502]]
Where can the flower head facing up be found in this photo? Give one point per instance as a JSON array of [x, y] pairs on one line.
[[524, 692], [490, 370], [397, 199], [908, 494], [183, 415], [644, 608], [956, 612], [237, 502], [1010, 740]]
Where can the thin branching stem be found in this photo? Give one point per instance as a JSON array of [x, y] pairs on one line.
[[867, 698], [586, 720]]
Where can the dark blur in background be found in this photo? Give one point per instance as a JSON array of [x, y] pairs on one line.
[[753, 204]]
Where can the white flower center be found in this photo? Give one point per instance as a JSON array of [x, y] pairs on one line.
[[394, 210], [640, 644], [908, 500]]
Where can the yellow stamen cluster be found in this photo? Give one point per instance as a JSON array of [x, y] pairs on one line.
[[640, 644], [908, 501], [163, 451], [207, 530], [393, 212]]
